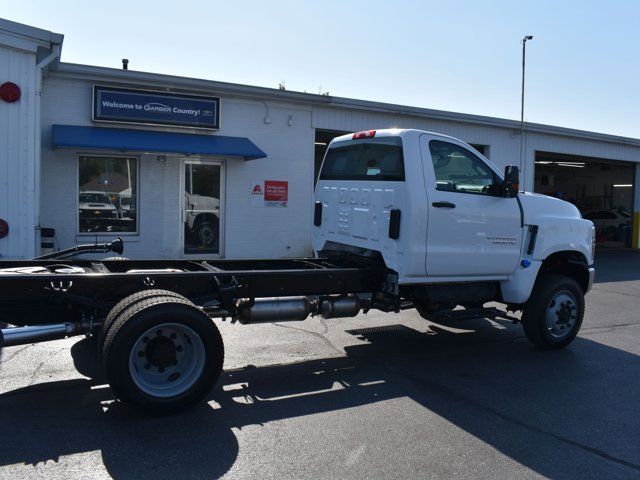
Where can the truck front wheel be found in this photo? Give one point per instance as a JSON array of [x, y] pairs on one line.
[[553, 315], [163, 355]]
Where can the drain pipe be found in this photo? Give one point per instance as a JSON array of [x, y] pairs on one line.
[[40, 66]]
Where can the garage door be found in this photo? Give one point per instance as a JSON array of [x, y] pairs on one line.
[[602, 190]]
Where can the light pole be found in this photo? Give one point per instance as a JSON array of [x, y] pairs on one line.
[[523, 164]]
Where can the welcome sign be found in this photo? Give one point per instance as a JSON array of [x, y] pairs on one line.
[[111, 104]]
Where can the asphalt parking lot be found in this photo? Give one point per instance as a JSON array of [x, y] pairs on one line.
[[377, 396]]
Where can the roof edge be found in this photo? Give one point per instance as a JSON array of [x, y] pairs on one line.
[[37, 36], [133, 76]]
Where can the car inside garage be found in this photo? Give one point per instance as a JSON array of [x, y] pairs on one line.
[[603, 191]]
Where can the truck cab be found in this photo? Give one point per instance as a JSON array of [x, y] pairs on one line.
[[445, 219]]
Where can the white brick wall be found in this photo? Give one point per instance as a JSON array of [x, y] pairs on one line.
[[255, 232], [249, 232]]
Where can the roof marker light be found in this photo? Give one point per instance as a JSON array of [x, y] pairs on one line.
[[365, 134]]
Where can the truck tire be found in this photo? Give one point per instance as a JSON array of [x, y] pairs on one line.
[[207, 231], [553, 315], [162, 355], [124, 304]]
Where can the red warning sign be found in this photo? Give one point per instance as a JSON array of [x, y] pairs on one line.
[[257, 190], [276, 193]]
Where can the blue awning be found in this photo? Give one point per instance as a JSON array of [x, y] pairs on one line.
[[124, 140]]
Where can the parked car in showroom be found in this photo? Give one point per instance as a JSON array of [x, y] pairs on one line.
[[94, 204], [609, 223]]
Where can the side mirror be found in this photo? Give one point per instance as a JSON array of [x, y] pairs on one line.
[[511, 183]]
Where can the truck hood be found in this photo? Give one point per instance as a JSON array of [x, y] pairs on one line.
[[536, 206], [560, 226]]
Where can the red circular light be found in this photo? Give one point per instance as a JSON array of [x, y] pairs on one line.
[[4, 228], [9, 92]]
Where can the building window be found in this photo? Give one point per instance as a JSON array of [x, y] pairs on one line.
[[107, 194]]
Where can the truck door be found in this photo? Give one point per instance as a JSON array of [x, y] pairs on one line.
[[471, 231]]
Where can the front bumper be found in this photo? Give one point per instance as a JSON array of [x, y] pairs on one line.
[[592, 276]]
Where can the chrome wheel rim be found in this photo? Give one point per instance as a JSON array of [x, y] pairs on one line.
[[562, 315], [167, 360]]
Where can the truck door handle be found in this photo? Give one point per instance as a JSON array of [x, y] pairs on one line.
[[444, 205]]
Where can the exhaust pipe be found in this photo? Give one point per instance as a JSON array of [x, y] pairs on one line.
[[10, 337], [274, 309], [279, 309], [348, 306]]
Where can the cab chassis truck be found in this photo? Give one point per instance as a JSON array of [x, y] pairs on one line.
[[402, 219]]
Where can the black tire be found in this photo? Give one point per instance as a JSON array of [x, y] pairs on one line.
[[133, 325], [535, 312], [207, 231], [127, 302]]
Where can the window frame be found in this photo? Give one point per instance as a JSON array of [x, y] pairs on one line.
[[79, 233], [496, 176]]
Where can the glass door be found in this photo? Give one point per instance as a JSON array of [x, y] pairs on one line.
[[202, 207]]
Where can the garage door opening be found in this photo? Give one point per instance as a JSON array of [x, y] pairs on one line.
[[323, 138], [602, 190]]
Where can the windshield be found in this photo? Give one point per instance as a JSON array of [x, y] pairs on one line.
[[94, 198], [371, 159]]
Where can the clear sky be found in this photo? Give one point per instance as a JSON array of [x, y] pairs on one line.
[[583, 65]]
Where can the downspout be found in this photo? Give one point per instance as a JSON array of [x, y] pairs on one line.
[[40, 66]]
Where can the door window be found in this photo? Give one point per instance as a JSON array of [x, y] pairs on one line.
[[201, 208], [459, 170]]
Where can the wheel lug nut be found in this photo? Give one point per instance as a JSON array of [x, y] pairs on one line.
[[173, 336], [179, 348], [159, 332], [141, 354], [145, 340]]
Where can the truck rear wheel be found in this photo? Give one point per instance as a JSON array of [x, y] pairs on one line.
[[126, 303], [163, 355], [553, 315]]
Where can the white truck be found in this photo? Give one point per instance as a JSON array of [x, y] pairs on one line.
[[403, 219], [455, 231]]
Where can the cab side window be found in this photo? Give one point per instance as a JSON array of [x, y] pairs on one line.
[[459, 170]]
